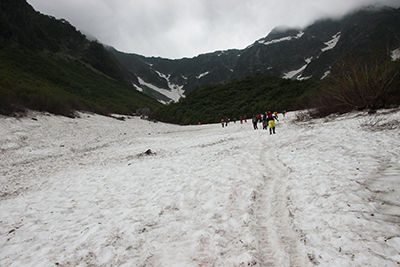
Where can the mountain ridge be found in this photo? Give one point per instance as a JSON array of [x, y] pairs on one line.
[[293, 53], [39, 41]]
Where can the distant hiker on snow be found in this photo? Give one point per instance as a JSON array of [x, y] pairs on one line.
[[222, 122], [255, 121], [265, 121], [259, 117], [271, 122]]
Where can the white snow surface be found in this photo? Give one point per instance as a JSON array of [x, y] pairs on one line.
[[287, 38], [326, 74], [174, 92], [395, 54], [202, 75], [82, 192], [297, 73], [137, 87], [331, 43]]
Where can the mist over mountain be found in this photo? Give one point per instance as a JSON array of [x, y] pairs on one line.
[[285, 52]]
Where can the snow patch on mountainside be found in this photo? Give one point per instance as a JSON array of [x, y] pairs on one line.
[[138, 88], [202, 75], [178, 89], [395, 54], [295, 74], [331, 43], [326, 74], [287, 38], [174, 94]]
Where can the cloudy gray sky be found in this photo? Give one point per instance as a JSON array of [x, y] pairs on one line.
[[186, 28]]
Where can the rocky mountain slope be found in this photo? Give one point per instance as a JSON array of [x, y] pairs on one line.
[[286, 53], [46, 64]]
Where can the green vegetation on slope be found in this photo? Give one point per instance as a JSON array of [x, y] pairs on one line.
[[248, 96], [59, 83]]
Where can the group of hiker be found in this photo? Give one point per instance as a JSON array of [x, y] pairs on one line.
[[224, 122], [267, 120]]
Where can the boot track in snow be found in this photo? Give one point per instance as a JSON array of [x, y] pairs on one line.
[[279, 244]]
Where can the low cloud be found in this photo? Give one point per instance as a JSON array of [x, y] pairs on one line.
[[181, 28]]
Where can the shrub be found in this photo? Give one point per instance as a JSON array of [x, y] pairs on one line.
[[355, 83]]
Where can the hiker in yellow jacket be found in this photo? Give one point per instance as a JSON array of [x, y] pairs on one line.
[[271, 122]]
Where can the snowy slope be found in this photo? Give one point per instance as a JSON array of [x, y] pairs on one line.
[[174, 92], [82, 192], [332, 43], [283, 39]]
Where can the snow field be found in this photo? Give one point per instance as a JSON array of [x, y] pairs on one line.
[[338, 173], [82, 192]]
